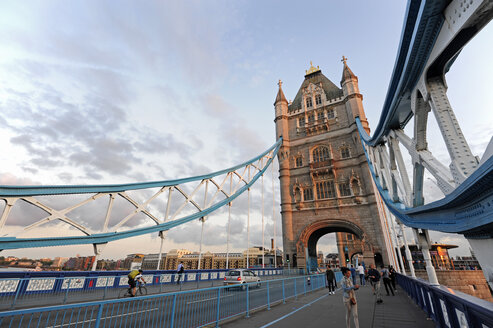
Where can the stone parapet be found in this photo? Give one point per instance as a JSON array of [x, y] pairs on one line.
[[471, 282]]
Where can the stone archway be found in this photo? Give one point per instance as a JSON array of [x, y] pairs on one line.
[[307, 241]]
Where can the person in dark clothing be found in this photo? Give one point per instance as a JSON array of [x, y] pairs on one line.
[[331, 280], [374, 276], [353, 274], [393, 273], [387, 281]]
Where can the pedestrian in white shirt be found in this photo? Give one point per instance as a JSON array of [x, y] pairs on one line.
[[361, 272]]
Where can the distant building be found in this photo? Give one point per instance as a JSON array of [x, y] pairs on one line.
[[79, 263], [132, 261], [438, 253], [332, 259], [466, 263], [150, 262], [208, 260]]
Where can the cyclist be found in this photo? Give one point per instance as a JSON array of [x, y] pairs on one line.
[[133, 277]]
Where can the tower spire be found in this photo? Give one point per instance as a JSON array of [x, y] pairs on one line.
[[347, 74], [280, 95]]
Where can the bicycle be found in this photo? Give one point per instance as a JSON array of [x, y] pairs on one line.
[[141, 291]]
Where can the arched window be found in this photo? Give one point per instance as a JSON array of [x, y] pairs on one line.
[[309, 102], [321, 154], [318, 99], [345, 152]]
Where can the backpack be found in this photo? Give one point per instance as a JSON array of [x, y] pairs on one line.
[[133, 274]]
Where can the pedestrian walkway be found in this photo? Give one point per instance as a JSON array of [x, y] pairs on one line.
[[319, 309]]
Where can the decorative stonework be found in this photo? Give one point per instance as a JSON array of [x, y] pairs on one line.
[[350, 205]]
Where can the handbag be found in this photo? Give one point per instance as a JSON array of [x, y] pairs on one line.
[[352, 300]]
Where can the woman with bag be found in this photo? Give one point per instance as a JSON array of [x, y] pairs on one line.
[[349, 298]]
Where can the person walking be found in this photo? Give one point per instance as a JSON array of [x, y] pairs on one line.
[[349, 297], [361, 272], [374, 276], [179, 271], [353, 274], [331, 280], [386, 281], [393, 274]]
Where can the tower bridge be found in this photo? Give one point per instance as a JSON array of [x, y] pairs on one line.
[[334, 177]]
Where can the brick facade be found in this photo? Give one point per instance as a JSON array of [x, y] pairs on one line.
[[325, 182]]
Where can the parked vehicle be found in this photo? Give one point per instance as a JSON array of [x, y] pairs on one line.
[[241, 277]]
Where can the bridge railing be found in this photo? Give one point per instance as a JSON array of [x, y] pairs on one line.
[[194, 308], [25, 289], [448, 307]]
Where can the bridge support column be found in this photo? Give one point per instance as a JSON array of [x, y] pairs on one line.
[[482, 250], [408, 252], [162, 235], [424, 243], [98, 249]]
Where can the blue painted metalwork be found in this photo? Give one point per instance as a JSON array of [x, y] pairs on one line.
[[447, 307], [20, 191], [468, 209], [421, 26], [21, 289], [102, 238]]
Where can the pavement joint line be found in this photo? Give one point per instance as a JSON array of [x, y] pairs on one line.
[[109, 317], [293, 312]]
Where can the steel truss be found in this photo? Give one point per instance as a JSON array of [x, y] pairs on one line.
[[215, 190], [434, 34]]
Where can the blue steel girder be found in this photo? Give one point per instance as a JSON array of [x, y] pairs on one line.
[[18, 192], [467, 210], [423, 23], [433, 35]]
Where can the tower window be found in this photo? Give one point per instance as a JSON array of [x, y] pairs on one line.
[[321, 154], [299, 161], [318, 99], [311, 118], [301, 122], [345, 152], [309, 102], [331, 113], [325, 189], [320, 116], [344, 189], [308, 194]]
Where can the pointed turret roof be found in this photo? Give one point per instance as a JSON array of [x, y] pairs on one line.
[[316, 77], [280, 95], [347, 74]]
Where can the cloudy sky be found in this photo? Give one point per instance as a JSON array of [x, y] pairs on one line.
[[96, 92]]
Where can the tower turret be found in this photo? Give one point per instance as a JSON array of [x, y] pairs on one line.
[[354, 100], [281, 120]]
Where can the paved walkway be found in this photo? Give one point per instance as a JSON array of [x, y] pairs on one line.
[[319, 309]]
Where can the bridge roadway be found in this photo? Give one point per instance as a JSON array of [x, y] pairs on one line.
[[154, 312], [319, 309], [47, 299]]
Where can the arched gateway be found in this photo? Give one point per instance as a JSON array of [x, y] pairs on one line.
[[325, 181]]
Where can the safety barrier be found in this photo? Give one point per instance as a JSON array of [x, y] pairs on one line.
[[195, 308], [448, 307], [51, 288]]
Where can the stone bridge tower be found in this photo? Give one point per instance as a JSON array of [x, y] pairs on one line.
[[325, 181]]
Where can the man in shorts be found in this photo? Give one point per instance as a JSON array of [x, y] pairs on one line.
[[133, 277]]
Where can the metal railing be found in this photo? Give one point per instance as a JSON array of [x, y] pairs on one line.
[[195, 308], [46, 289], [448, 307]]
